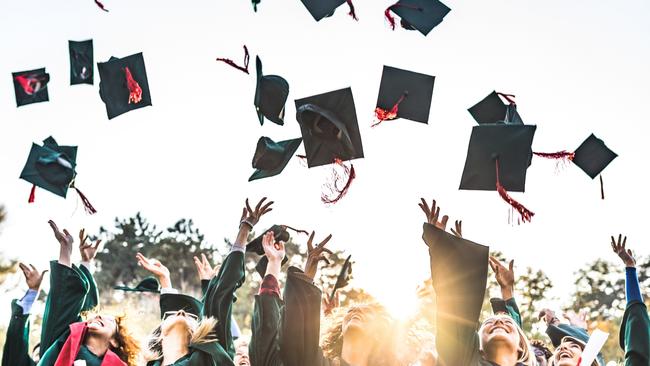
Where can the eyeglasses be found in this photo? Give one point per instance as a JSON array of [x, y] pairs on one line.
[[167, 314]]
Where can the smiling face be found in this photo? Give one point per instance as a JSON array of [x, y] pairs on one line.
[[178, 320], [568, 353], [499, 331], [241, 355], [104, 326]]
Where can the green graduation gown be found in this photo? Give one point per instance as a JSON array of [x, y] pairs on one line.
[[16, 348], [264, 347], [635, 334]]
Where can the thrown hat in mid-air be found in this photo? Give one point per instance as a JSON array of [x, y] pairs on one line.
[[31, 86], [123, 84]]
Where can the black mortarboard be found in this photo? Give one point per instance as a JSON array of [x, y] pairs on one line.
[[51, 166], [271, 157], [81, 62], [344, 276], [280, 233], [510, 144], [492, 110], [271, 95], [592, 156], [123, 84], [329, 127], [149, 284], [459, 269], [31, 86], [423, 15], [407, 91], [320, 9], [176, 302]]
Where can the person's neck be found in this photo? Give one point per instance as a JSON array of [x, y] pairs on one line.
[[97, 345], [356, 350], [502, 356], [174, 345]]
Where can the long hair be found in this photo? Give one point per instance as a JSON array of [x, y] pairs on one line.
[[526, 355], [127, 347], [203, 333], [388, 337]]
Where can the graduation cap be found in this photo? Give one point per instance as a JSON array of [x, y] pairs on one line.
[[404, 94], [320, 9], [562, 332], [53, 168], [280, 233], [497, 159], [149, 284], [459, 270], [330, 130], [271, 157], [421, 15], [176, 302], [31, 86], [123, 86], [271, 95], [81, 62], [344, 276], [492, 110]]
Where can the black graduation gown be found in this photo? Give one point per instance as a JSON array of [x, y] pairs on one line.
[[635, 334], [16, 349]]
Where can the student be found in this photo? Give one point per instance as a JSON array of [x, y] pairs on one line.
[[16, 348], [101, 340], [198, 333], [459, 275]]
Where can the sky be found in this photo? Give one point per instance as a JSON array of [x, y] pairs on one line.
[[576, 68]]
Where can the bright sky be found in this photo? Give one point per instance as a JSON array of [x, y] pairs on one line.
[[576, 67]]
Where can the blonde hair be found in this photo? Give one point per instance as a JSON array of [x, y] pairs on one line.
[[203, 333], [526, 355]]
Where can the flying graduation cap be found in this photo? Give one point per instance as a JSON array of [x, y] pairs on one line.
[[272, 157], [320, 9], [344, 276], [421, 15], [404, 94], [498, 157], [330, 131], [81, 62], [30, 86], [53, 168], [271, 94], [148, 284], [492, 110], [123, 86]]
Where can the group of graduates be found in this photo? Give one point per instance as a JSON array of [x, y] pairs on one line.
[[290, 328]]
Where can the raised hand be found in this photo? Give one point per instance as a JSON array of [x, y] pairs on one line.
[[625, 254], [65, 240], [432, 213], [315, 255], [549, 317], [87, 251], [32, 276], [156, 268], [329, 306], [273, 250], [505, 276], [577, 319], [204, 268], [459, 228], [252, 217]]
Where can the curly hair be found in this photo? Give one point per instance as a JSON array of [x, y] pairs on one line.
[[392, 344], [127, 347]]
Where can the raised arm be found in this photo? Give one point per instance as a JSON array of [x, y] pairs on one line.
[[264, 347], [88, 252], [505, 277], [68, 290], [16, 349], [634, 336], [205, 272], [221, 290], [299, 343]]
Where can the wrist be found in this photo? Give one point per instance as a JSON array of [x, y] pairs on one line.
[[507, 292], [165, 282], [246, 223]]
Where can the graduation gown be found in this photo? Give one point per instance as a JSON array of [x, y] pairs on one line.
[[16, 349], [264, 347], [635, 334], [217, 303], [72, 292]]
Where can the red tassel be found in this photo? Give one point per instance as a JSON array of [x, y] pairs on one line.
[[26, 84], [507, 97], [561, 155], [526, 214], [87, 205], [384, 115], [233, 64], [348, 176], [352, 13], [135, 92], [391, 19], [602, 189], [32, 194], [101, 6]]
